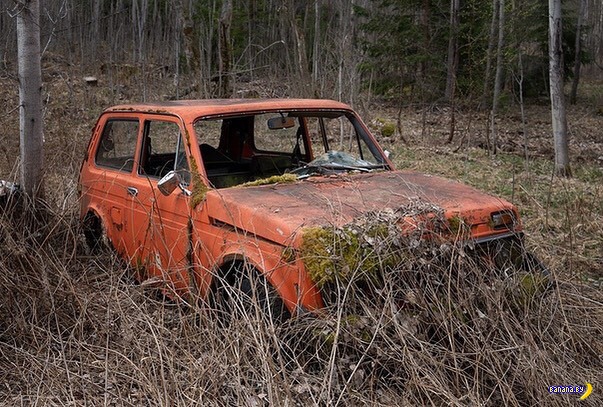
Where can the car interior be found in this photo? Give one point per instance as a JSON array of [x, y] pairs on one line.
[[237, 160]]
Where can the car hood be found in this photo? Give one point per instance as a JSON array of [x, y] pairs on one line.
[[276, 212]]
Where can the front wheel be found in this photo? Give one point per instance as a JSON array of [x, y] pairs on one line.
[[511, 254], [241, 291], [526, 276]]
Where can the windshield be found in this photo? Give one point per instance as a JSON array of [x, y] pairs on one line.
[[246, 148]]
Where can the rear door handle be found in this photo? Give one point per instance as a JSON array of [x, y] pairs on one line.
[[132, 191]]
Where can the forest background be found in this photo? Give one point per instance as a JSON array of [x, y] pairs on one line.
[[458, 88]]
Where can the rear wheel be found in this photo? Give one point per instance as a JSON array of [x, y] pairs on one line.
[[95, 234]]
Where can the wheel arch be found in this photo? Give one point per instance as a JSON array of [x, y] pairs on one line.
[[95, 223], [269, 270]]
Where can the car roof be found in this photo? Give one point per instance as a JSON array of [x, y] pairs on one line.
[[191, 109]]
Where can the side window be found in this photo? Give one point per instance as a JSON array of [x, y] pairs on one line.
[[163, 150], [208, 136], [209, 132], [224, 141], [117, 144]]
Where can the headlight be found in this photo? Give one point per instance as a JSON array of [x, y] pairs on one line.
[[503, 220]]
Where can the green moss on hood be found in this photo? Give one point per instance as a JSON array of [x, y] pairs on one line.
[[275, 179], [369, 244]]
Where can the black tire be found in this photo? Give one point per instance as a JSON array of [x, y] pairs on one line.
[[513, 254], [515, 261], [241, 291], [95, 234], [103, 251]]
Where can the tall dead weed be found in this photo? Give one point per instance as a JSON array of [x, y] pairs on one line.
[[440, 328]]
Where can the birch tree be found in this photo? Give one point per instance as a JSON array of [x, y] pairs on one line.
[[559, 121], [30, 96], [498, 78], [316, 43]]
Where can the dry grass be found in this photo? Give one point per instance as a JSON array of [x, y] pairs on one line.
[[440, 329]]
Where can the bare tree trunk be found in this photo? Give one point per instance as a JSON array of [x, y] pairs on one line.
[[300, 47], [225, 49], [96, 13], [205, 52], [452, 127], [489, 53], [452, 65], [30, 97], [452, 62], [191, 54], [594, 41], [141, 24], [578, 50], [316, 47], [499, 72], [354, 58], [426, 29], [178, 19], [562, 167], [524, 125], [252, 29]]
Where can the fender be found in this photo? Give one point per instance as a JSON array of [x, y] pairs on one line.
[[292, 284]]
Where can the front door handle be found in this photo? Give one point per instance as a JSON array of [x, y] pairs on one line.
[[132, 191]]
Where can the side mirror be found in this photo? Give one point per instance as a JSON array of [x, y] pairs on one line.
[[169, 183]]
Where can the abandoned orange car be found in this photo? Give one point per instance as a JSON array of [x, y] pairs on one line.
[[200, 194]]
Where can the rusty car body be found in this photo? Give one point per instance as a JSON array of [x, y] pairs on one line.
[[186, 189]]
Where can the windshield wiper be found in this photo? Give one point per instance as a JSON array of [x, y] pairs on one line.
[[329, 168], [337, 166]]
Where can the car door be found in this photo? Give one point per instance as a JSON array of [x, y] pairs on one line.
[[108, 183], [164, 225]]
